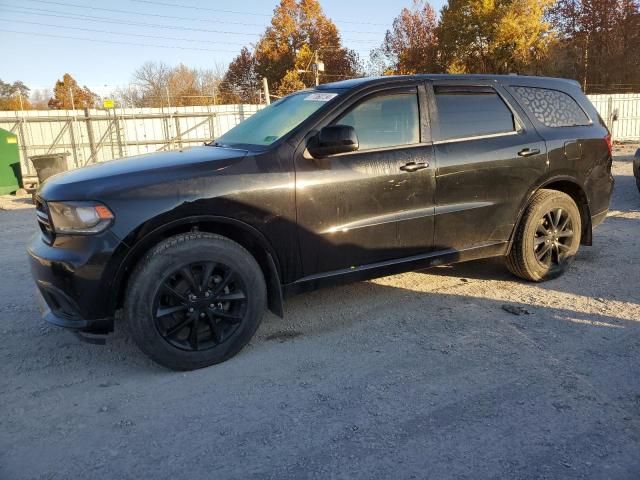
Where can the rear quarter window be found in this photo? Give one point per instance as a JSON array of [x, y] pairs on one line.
[[552, 108]]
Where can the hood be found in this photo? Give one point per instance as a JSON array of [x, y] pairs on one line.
[[128, 173]]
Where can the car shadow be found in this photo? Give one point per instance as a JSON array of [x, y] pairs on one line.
[[360, 310]]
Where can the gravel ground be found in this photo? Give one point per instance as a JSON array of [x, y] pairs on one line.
[[455, 372]]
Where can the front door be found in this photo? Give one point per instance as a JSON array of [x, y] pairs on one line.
[[373, 204]]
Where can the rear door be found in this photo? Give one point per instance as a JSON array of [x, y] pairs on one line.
[[488, 155]]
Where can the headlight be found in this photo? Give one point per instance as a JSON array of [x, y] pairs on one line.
[[80, 218]]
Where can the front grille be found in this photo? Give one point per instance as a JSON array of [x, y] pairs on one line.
[[44, 221]]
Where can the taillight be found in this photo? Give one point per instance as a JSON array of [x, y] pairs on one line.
[[609, 142]]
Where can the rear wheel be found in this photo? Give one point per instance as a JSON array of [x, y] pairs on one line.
[[195, 300], [547, 238]]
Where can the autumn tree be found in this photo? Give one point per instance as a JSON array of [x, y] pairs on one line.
[[599, 41], [184, 87], [67, 94], [240, 83], [411, 46], [626, 57], [495, 36], [279, 52], [14, 96]]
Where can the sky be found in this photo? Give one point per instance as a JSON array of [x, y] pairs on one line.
[[113, 38]]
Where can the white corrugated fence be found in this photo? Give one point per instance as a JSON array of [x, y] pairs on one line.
[[627, 105], [91, 136]]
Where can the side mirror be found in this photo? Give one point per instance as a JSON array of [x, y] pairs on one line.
[[333, 139]]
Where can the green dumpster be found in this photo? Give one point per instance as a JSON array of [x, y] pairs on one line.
[[9, 163]]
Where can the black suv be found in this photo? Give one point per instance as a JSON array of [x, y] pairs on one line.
[[347, 181]]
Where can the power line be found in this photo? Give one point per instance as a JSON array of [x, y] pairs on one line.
[[195, 7], [91, 18], [144, 14], [130, 12], [161, 37], [116, 42], [84, 39]]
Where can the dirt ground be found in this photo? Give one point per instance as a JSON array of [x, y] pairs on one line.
[[420, 375]]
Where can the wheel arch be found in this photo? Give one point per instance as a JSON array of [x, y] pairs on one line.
[[572, 188], [242, 233]]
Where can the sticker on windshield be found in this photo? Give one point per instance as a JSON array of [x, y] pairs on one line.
[[320, 97]]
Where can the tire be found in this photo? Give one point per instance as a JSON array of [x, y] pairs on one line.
[[547, 238], [195, 300]]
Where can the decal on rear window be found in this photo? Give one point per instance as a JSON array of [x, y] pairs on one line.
[[552, 107]]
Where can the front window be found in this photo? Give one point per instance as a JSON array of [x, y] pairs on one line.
[[273, 122], [388, 120]]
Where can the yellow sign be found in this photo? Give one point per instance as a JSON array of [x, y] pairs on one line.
[[108, 103], [12, 139]]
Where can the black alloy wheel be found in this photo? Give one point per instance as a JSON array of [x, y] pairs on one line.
[[554, 237], [195, 300], [200, 305], [547, 237]]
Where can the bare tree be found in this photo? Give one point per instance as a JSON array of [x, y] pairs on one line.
[[40, 99]]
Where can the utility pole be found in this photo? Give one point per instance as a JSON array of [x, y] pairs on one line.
[[265, 87], [316, 67]]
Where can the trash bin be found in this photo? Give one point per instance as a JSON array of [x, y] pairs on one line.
[[9, 159], [49, 164]]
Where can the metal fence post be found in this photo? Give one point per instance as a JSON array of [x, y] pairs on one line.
[[23, 144], [178, 135], [74, 147], [92, 140], [116, 123]]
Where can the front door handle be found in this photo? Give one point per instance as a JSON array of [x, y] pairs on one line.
[[527, 152], [414, 167]]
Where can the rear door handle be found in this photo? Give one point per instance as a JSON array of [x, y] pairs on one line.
[[414, 167], [527, 152]]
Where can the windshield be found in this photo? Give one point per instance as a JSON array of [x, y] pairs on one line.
[[273, 122]]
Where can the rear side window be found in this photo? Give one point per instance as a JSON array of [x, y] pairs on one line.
[[386, 120], [471, 112], [552, 108]]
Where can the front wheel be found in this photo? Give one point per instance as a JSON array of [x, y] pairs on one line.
[[195, 300], [547, 238]]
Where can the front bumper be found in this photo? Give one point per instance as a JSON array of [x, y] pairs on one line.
[[74, 280], [60, 310]]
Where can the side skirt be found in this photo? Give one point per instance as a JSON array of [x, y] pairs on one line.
[[392, 267]]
